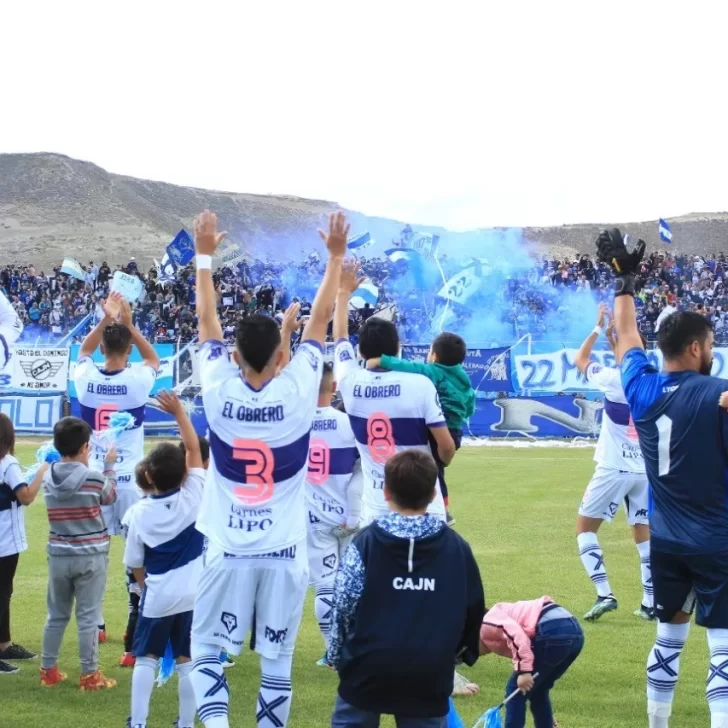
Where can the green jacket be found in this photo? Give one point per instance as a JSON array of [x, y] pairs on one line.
[[452, 383]]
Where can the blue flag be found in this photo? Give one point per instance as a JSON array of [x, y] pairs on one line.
[[181, 250], [665, 232], [359, 242]]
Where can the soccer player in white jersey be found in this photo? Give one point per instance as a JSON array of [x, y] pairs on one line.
[[116, 387], [254, 506], [333, 494], [618, 477], [10, 329], [389, 411]]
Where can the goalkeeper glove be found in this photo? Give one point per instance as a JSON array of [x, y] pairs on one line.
[[611, 249]]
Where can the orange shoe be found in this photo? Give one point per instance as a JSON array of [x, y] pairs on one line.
[[51, 676], [127, 660], [102, 636], [96, 681]]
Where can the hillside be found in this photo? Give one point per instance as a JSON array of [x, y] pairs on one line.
[[52, 206]]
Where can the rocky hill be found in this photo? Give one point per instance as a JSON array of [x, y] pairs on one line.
[[52, 206]]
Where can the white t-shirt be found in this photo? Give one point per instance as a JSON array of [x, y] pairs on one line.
[[389, 412], [618, 445], [101, 393], [12, 520], [333, 460], [162, 538], [10, 329], [254, 502]]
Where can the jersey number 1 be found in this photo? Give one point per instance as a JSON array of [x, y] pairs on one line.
[[664, 435]]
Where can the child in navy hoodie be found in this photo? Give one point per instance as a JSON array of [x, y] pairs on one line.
[[408, 603]]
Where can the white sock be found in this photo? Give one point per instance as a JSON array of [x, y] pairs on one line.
[[663, 668], [142, 685], [187, 706], [322, 605], [212, 694], [593, 559], [646, 574], [274, 699], [717, 686]]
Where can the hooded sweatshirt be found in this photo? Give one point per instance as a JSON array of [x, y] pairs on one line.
[[451, 382], [74, 495], [408, 602]]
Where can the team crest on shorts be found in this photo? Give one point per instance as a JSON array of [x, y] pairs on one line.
[[329, 561], [230, 621]]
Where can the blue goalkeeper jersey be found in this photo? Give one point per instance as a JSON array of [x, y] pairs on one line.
[[684, 438]]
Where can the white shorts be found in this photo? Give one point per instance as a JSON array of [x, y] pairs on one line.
[[608, 488], [325, 551], [260, 595], [369, 512], [125, 499]]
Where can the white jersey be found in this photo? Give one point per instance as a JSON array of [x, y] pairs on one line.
[[254, 502], [389, 412], [333, 462], [10, 329], [12, 518], [162, 539], [101, 393], [618, 445]]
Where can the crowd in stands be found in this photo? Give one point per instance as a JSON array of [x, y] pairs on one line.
[[522, 299]]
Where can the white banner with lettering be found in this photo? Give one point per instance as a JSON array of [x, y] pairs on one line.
[[556, 371], [37, 369], [32, 414]]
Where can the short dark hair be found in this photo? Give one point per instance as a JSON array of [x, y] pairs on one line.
[[7, 436], [327, 376], [257, 338], [166, 467], [116, 338], [679, 330], [378, 337], [140, 475], [204, 448], [410, 477], [70, 436], [449, 348]]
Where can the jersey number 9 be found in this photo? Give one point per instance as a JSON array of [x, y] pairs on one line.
[[258, 459], [319, 462]]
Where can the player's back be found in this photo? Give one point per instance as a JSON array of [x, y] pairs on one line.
[[684, 438], [254, 502]]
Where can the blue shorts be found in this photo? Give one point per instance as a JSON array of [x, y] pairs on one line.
[[687, 582], [153, 633]]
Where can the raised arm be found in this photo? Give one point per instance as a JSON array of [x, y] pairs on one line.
[[207, 240], [149, 356], [170, 403], [349, 281], [25, 493], [288, 326], [111, 310], [322, 308], [583, 355]]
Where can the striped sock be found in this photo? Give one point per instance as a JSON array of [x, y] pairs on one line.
[[663, 668], [274, 698], [717, 685], [646, 573], [212, 693], [593, 559], [323, 604]]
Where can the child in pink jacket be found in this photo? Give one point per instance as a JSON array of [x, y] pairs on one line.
[[540, 637]]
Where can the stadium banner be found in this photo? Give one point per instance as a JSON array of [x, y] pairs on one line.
[[556, 371], [165, 377], [489, 369], [32, 414], [554, 416], [38, 369]]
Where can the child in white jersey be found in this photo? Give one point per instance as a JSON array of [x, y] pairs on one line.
[[164, 550]]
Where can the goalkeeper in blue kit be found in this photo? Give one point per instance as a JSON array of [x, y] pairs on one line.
[[684, 439]]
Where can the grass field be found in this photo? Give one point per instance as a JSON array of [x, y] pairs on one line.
[[515, 506]]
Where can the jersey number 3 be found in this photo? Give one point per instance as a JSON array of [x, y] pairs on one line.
[[259, 483]]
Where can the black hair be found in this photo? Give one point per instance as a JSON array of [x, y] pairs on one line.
[[140, 475], [204, 448], [166, 467], [70, 436], [410, 478], [449, 349], [378, 337], [116, 338], [679, 330], [327, 376], [257, 338], [7, 436]]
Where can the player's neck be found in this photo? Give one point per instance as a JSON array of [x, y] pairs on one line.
[[256, 380], [324, 401], [114, 363], [675, 366]]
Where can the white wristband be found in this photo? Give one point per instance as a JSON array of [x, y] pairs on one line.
[[204, 262], [598, 331]]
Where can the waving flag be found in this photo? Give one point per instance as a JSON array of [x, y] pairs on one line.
[[71, 267], [665, 232], [359, 242], [406, 254], [366, 293], [166, 270], [181, 250], [460, 287]]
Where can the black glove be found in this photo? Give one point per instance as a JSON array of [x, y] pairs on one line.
[[612, 250]]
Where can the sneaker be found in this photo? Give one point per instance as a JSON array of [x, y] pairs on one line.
[[127, 660], [102, 636], [7, 669], [450, 518], [226, 661], [96, 681], [646, 613], [601, 607], [324, 662], [51, 676], [17, 652]]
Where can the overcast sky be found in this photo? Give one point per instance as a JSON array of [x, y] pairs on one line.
[[462, 114]]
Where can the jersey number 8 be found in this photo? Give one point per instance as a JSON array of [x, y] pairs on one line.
[[380, 439], [259, 461]]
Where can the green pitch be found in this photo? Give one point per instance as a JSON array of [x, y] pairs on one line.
[[515, 506]]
